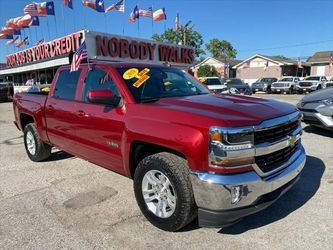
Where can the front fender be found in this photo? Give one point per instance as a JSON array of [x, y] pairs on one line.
[[187, 140]]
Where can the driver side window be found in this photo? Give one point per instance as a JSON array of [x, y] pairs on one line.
[[98, 79]]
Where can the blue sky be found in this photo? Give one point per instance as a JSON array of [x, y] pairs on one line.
[[251, 26]]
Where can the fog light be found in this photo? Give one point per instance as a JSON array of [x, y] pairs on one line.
[[236, 193]]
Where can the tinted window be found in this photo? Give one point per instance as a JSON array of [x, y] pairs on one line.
[[212, 81], [66, 85], [313, 78], [235, 81], [98, 79], [286, 80]]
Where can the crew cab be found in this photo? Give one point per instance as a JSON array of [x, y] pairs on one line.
[[311, 83], [190, 152], [285, 85]]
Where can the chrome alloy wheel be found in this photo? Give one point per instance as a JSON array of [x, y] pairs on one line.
[[31, 143], [158, 194]]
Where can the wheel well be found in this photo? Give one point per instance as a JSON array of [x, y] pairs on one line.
[[140, 150], [25, 119]]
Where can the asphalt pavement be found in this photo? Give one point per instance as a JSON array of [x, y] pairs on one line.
[[68, 203]]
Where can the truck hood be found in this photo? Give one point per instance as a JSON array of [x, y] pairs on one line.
[[230, 110]]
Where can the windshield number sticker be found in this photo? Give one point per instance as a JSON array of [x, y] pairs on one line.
[[141, 76]]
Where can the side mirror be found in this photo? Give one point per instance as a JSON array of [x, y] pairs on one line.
[[103, 96]]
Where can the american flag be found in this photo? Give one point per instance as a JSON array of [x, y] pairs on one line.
[[331, 60], [120, 6], [78, 56], [31, 9], [177, 23], [146, 13]]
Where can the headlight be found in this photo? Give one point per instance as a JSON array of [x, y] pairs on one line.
[[327, 102], [231, 151]]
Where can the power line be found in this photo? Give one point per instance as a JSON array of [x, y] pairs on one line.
[[288, 46]]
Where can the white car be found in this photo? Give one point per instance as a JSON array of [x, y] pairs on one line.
[[311, 83], [286, 84], [329, 83], [213, 83]]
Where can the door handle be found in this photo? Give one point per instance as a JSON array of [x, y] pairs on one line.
[[81, 113]]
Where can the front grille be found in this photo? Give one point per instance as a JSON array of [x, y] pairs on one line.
[[269, 162], [275, 133], [280, 84], [305, 84], [311, 120]]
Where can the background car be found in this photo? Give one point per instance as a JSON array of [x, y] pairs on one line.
[[286, 85], [236, 83], [329, 83], [317, 108], [263, 84], [213, 83], [311, 83], [6, 91]]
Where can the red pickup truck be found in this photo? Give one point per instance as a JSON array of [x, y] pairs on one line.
[[190, 152]]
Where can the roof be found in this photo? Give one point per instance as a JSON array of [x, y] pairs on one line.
[[320, 57], [281, 60], [231, 62]]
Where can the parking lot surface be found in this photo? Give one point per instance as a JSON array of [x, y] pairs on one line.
[[66, 202]]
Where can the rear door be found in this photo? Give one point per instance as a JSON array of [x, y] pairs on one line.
[[100, 127], [60, 109]]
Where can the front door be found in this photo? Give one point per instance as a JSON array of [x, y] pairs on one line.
[[101, 127]]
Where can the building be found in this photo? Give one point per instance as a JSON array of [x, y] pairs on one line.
[[224, 67], [320, 63], [259, 66], [38, 64]]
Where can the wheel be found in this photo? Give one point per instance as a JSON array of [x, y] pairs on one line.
[[36, 149], [163, 191], [319, 87], [269, 91], [291, 90]]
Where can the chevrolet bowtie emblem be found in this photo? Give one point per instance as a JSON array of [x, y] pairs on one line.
[[292, 140]]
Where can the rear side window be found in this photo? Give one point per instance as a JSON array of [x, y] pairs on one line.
[[98, 79], [66, 84]]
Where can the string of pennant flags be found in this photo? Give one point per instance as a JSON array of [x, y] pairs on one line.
[[34, 11]]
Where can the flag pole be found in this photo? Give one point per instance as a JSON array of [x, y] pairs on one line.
[[124, 19], [48, 28], [105, 20], [63, 18], [55, 22], [152, 19], [30, 35]]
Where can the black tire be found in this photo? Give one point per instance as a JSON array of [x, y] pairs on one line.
[[42, 150], [319, 87], [269, 91], [291, 90], [176, 170]]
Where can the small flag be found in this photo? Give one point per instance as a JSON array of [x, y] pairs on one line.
[[78, 56], [177, 23], [45, 8], [146, 13], [159, 15], [299, 63], [134, 15], [31, 9], [17, 32], [21, 43], [331, 60], [97, 5], [12, 41], [266, 65], [68, 3], [27, 21], [12, 23], [120, 6]]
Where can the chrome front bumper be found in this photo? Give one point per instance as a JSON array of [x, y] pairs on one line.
[[214, 191]]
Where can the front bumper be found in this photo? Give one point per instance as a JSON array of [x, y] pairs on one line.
[[317, 114], [213, 192], [259, 88], [280, 89], [306, 88]]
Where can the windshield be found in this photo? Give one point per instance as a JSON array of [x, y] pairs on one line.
[[234, 81], [267, 80], [289, 79], [150, 84], [212, 81], [313, 78]]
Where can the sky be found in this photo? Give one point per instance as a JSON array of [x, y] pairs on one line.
[[292, 28]]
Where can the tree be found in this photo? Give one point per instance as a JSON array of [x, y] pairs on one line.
[[207, 70], [186, 36], [221, 49]]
